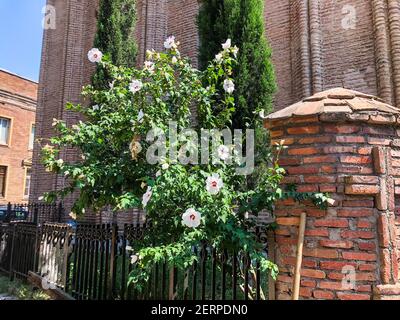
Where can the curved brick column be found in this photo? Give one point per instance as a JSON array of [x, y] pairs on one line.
[[345, 143]]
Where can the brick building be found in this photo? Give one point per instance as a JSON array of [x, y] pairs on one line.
[[17, 128], [317, 45]]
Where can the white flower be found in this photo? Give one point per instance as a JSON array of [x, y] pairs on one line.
[[111, 84], [149, 66], [40, 198], [135, 85], [174, 59], [165, 166], [95, 107], [235, 51], [72, 215], [128, 248], [214, 183], [134, 258], [227, 44], [261, 114], [191, 218], [95, 55], [146, 197], [55, 122], [140, 116], [223, 152], [143, 185], [218, 57], [158, 173], [169, 42], [149, 54], [229, 86]]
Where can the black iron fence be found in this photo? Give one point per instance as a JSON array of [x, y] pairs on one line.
[[31, 212], [92, 262]]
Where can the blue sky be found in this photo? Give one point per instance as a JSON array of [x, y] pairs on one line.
[[21, 36]]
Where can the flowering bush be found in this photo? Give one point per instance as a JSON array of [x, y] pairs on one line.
[[186, 202]]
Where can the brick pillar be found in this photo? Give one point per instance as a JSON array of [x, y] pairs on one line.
[[344, 143]]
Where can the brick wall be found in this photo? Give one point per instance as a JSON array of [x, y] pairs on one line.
[[17, 103], [354, 157]]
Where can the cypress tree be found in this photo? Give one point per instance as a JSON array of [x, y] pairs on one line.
[[115, 36], [243, 22]]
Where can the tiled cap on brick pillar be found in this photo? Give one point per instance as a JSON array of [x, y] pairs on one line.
[[345, 143]]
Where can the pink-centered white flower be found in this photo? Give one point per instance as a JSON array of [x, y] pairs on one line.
[[169, 42], [214, 184], [135, 85], [146, 197], [223, 152], [95, 55], [174, 60], [149, 66], [218, 57], [191, 218], [227, 44], [229, 86]]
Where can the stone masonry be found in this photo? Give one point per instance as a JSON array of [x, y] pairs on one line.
[[347, 144]]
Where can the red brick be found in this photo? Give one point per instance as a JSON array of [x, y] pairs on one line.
[[320, 294], [342, 129], [303, 130], [308, 283], [319, 179], [320, 232], [353, 296], [339, 149], [349, 234], [370, 246], [303, 151], [305, 292], [367, 267], [358, 203], [332, 223], [350, 139], [320, 159], [355, 159], [379, 141], [361, 189], [331, 285], [359, 256], [335, 265], [276, 133], [311, 273], [364, 224], [315, 140], [364, 212], [315, 212], [289, 161], [362, 180], [325, 188], [321, 253], [336, 244], [364, 150], [307, 188], [303, 170]]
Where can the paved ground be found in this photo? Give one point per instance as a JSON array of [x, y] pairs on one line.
[[7, 297]]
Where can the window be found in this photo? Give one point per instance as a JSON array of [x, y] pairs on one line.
[[32, 137], [3, 174], [4, 130], [27, 182]]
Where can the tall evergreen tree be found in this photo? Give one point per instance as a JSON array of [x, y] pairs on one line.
[[115, 35], [243, 22]]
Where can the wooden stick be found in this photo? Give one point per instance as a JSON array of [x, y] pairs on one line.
[[299, 258]]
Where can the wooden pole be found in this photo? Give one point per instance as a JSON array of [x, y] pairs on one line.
[[299, 258]]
